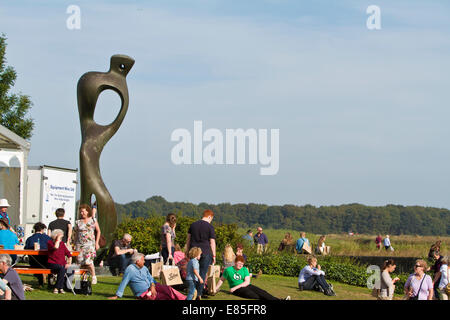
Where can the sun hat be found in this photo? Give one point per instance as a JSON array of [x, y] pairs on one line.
[[4, 203]]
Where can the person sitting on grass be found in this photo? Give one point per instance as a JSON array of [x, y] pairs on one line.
[[119, 256], [238, 278], [240, 252], [11, 276], [228, 256], [57, 253], [312, 278], [300, 242], [143, 285], [5, 291]]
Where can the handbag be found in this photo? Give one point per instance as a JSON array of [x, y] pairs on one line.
[[170, 274], [416, 297], [156, 268], [85, 286]]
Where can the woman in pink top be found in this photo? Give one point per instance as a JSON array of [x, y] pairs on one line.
[[57, 253], [178, 255]]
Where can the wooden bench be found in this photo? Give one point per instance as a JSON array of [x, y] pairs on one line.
[[26, 270]]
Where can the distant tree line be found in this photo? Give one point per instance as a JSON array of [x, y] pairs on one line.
[[357, 218]]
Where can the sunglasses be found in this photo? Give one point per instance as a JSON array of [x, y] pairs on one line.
[[418, 266]]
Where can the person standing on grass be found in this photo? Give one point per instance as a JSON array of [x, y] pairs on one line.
[[249, 238], [387, 284], [168, 237], [387, 242], [261, 241], [436, 268], [193, 278], [11, 276], [378, 241], [419, 285], [86, 241], [445, 274], [61, 224], [238, 278], [201, 234]]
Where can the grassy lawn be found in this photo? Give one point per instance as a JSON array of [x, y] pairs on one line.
[[278, 286]]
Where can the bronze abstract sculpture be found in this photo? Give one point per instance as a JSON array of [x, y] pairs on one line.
[[95, 136]]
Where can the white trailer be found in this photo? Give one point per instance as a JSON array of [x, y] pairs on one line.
[[50, 188]]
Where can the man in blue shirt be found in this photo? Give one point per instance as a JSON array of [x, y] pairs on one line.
[[249, 237], [142, 283], [40, 237], [300, 242], [261, 241]]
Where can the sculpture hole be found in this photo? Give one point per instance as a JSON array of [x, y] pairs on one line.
[[107, 107]]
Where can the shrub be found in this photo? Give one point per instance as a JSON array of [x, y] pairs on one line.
[[146, 233]]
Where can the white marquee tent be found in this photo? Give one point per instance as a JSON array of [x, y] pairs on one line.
[[14, 152]]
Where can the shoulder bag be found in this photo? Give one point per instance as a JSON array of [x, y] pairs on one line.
[[416, 297], [102, 240]]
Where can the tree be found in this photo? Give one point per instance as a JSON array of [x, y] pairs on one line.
[[13, 107]]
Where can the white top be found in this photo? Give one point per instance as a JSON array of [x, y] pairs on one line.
[[444, 276], [307, 272]]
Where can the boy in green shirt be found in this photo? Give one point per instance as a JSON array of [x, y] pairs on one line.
[[238, 278]]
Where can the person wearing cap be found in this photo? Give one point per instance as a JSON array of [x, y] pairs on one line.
[[4, 205], [7, 238]]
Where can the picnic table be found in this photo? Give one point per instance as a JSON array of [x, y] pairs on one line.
[[43, 270], [31, 252]]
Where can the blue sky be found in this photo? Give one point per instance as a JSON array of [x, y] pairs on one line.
[[363, 115]]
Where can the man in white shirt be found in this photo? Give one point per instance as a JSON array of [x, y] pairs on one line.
[[312, 278], [387, 242]]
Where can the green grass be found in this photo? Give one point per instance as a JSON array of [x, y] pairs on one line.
[[278, 286]]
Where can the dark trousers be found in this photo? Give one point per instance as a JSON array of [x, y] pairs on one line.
[[314, 282], [100, 255], [165, 253], [253, 292], [60, 271], [38, 262], [120, 262], [204, 262]]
